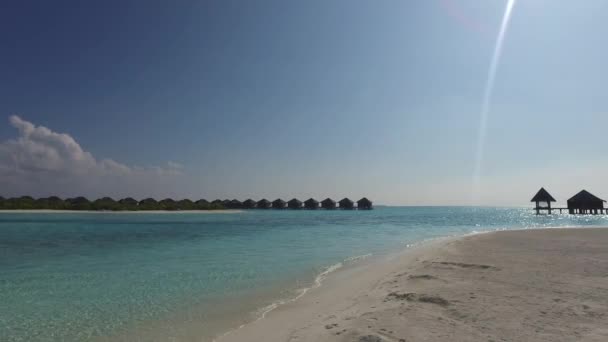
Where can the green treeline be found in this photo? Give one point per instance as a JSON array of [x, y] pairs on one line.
[[107, 203]]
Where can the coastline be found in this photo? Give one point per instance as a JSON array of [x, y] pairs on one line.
[[51, 211], [503, 285]]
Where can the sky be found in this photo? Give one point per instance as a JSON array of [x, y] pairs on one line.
[[267, 99]]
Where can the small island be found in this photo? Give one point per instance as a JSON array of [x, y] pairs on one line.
[[168, 204]]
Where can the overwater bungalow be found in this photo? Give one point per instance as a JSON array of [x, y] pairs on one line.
[[202, 203], [148, 203], [294, 204], [105, 203], [364, 204], [235, 204], [585, 203], [311, 204], [279, 204], [128, 203], [168, 204], [328, 203], [543, 201], [249, 204], [263, 204], [346, 204], [185, 204]]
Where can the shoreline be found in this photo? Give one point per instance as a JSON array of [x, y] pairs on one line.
[[51, 211], [356, 301]]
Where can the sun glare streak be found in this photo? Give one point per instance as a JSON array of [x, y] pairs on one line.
[[485, 108]]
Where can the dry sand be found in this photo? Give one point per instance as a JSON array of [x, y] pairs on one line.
[[531, 285]]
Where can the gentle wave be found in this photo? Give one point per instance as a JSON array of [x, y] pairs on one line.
[[318, 281]]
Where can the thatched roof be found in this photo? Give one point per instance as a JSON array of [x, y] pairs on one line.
[[584, 196], [295, 201], [346, 201], [249, 203], [202, 201], [311, 201], [364, 201], [148, 201], [128, 200], [328, 201], [263, 202], [542, 196]]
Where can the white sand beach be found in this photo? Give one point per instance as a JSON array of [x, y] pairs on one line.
[[529, 285]]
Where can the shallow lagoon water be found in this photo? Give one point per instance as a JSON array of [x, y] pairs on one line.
[[85, 276]]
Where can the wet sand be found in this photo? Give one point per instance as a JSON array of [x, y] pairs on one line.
[[529, 285]]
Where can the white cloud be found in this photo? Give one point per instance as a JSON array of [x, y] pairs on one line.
[[40, 161]]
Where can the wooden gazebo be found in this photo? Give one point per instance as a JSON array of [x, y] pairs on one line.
[[543, 201]]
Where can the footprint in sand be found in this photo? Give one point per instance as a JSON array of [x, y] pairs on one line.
[[464, 265]]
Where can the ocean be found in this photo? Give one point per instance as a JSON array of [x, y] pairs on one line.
[[189, 276]]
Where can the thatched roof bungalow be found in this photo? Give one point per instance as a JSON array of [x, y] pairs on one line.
[[249, 204], [346, 204], [279, 204], [364, 204], [168, 204], [105, 203], [185, 204], [202, 203], [294, 204], [585, 203], [328, 203], [263, 204], [128, 201], [235, 204], [147, 202], [311, 204]]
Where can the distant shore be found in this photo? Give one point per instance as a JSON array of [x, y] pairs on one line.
[[51, 211], [526, 285]]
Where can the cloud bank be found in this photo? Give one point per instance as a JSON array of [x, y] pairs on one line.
[[42, 162]]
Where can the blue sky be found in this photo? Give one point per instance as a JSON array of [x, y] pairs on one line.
[[224, 99]]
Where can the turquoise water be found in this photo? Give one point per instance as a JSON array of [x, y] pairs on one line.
[[84, 276]]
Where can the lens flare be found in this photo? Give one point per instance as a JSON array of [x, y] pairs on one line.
[[485, 107]]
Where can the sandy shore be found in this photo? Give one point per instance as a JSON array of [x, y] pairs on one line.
[[532, 285], [49, 211]]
